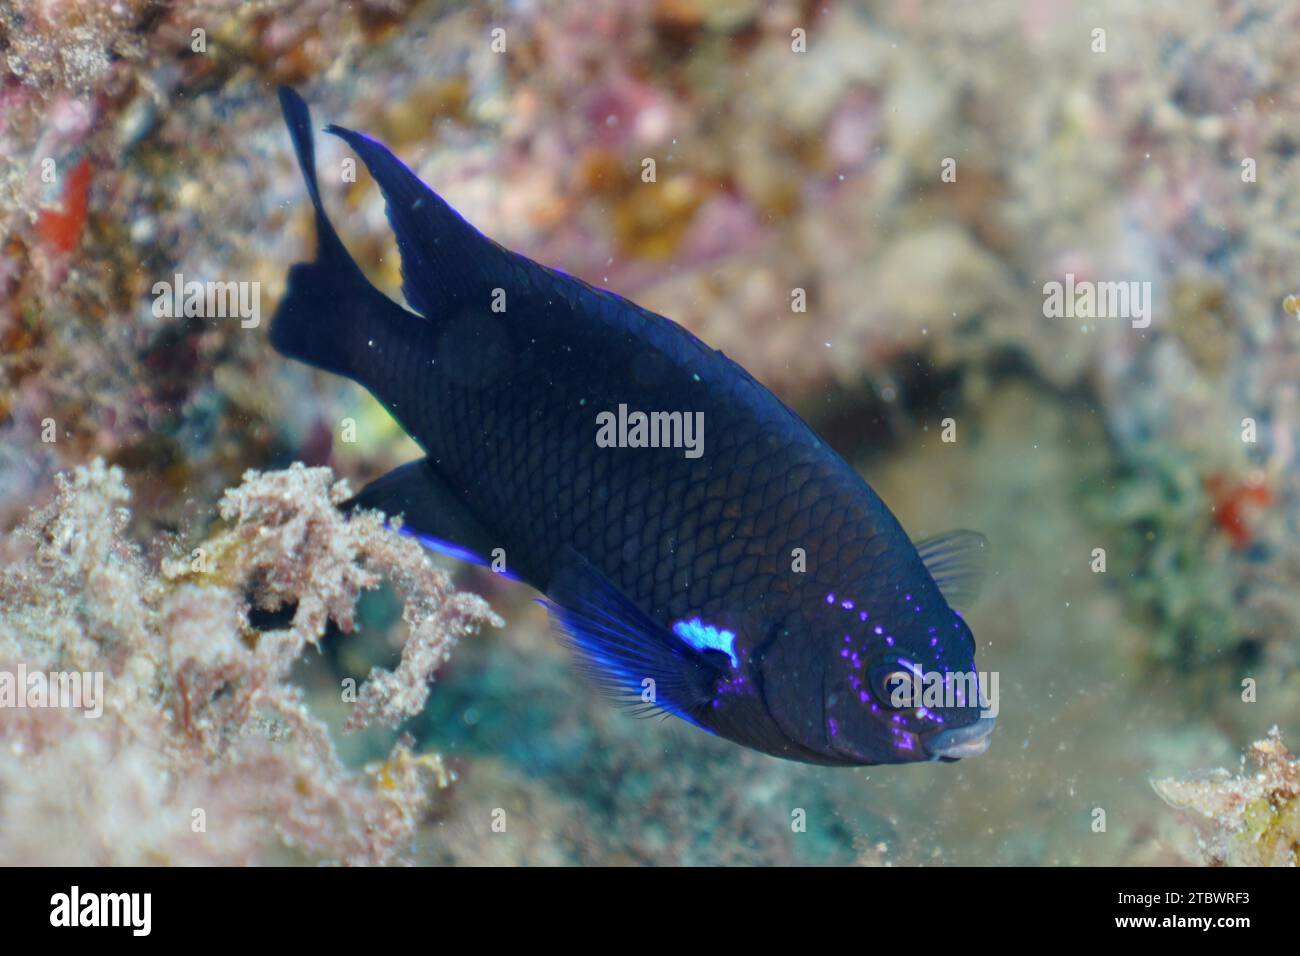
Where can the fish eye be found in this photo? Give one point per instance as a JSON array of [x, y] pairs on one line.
[[893, 683], [894, 679], [891, 679]]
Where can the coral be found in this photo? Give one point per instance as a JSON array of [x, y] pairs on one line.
[[823, 177], [205, 751], [1252, 819], [776, 171]]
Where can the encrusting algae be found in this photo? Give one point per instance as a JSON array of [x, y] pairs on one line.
[[205, 753], [1248, 820]]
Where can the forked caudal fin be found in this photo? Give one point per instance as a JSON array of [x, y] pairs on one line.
[[330, 311], [447, 264]]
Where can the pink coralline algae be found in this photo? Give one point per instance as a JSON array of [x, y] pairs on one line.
[[205, 752]]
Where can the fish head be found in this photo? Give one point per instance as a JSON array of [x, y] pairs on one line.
[[903, 687]]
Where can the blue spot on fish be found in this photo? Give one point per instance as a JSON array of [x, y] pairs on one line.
[[706, 637]]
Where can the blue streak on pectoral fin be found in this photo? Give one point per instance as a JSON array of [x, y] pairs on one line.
[[958, 562], [629, 657]]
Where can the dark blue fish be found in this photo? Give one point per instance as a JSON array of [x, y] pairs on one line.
[[750, 583]]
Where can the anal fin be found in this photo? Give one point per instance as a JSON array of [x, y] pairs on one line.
[[431, 511]]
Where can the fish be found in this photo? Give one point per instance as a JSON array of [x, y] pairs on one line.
[[743, 578]]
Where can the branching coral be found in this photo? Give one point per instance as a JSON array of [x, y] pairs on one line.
[[1247, 820], [205, 752]]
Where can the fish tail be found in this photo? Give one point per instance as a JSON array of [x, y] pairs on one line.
[[330, 315], [447, 264]]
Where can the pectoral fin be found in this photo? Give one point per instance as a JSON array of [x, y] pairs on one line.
[[958, 562]]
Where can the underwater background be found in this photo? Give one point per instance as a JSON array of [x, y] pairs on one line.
[[865, 205]]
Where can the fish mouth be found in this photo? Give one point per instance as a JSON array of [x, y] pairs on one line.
[[969, 741]]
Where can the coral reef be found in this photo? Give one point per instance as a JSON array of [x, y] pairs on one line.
[[824, 177], [140, 140], [1252, 819], [205, 751]]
